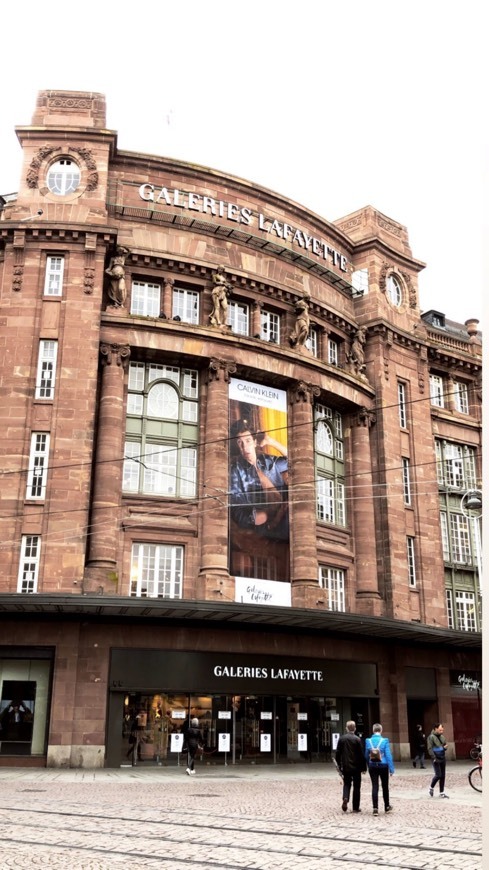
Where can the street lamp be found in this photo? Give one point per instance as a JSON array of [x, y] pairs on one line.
[[471, 506]]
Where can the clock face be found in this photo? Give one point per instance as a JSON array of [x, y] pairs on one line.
[[394, 290]]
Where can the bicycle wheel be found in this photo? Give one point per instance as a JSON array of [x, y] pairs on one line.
[[474, 753], [475, 778]]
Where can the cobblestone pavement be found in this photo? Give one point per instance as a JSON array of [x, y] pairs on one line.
[[226, 818]]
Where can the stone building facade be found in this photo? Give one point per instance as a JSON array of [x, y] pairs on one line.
[[241, 468]]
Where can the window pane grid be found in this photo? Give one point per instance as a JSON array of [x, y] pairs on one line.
[[186, 305], [401, 399], [239, 318], [46, 369], [332, 580], [38, 463], [54, 276], [270, 326], [157, 571], [460, 539], [145, 299], [406, 481], [465, 608], [411, 561], [29, 563]]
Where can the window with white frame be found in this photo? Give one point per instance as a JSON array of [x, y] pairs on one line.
[[445, 538], [394, 290], [460, 539], [239, 317], [411, 561], [160, 454], [63, 177], [465, 610], [145, 299], [455, 465], [156, 571], [436, 391], [46, 369], [461, 397], [312, 342], [450, 615], [402, 404], [38, 465], [53, 279], [333, 352], [332, 580], [185, 305], [270, 327], [30, 551], [406, 480], [330, 469]]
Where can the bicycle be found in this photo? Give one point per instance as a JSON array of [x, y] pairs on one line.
[[475, 750], [475, 776]]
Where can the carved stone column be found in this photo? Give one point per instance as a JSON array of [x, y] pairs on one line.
[[101, 570], [167, 301], [324, 348], [362, 499], [214, 581], [256, 319], [302, 500]]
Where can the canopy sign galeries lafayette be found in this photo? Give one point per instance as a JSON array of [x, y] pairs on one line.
[[224, 673], [219, 208]]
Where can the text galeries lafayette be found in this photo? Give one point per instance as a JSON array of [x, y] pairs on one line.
[[267, 673], [207, 205]]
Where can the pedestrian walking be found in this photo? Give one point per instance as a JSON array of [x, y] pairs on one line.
[[380, 766], [351, 763], [194, 741], [420, 747], [437, 747]]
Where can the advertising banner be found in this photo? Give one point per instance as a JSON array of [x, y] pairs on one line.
[[258, 483]]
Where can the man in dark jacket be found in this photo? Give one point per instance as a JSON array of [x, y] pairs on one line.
[[351, 764], [194, 741]]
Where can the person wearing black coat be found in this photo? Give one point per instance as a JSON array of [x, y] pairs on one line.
[[195, 741], [351, 763]]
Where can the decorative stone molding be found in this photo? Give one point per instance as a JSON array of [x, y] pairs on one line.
[[220, 367], [422, 368], [366, 418], [59, 102], [302, 392], [119, 352], [32, 178], [412, 295], [18, 269], [383, 275], [86, 156]]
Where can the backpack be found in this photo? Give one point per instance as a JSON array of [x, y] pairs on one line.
[[375, 755]]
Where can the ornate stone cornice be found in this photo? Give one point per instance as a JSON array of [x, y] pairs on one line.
[[118, 352]]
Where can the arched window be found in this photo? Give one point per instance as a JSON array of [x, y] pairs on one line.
[[63, 177]]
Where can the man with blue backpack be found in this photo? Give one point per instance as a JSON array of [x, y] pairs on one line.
[[380, 766]]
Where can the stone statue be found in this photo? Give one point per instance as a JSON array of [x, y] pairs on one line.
[[356, 356], [220, 294], [116, 272], [300, 332]]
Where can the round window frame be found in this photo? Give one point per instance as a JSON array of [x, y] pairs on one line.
[[50, 169], [397, 300]]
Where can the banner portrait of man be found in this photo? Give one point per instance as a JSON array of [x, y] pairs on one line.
[[258, 481]]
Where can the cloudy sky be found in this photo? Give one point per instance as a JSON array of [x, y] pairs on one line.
[[336, 105]]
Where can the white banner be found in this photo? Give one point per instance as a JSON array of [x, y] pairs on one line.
[[262, 592], [265, 742], [302, 742]]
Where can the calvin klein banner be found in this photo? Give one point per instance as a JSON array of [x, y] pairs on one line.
[[258, 486]]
